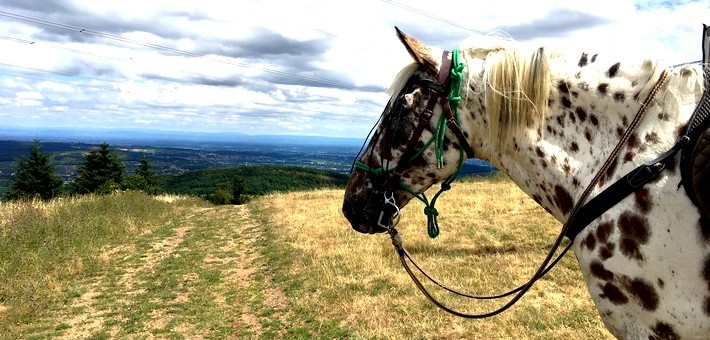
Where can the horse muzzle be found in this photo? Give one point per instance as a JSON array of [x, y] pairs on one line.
[[370, 218]]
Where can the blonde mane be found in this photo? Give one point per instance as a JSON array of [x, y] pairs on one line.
[[516, 86]]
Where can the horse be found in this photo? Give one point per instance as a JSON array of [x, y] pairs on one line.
[[549, 120]]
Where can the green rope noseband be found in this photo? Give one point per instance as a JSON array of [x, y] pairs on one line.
[[439, 139]]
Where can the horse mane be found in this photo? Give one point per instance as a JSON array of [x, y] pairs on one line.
[[516, 85], [689, 79], [517, 88]]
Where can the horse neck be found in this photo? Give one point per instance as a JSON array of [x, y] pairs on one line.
[[589, 109]]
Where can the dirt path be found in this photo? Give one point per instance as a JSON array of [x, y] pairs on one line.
[[200, 276]]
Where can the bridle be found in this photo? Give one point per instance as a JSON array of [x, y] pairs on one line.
[[446, 91], [570, 228], [439, 93]]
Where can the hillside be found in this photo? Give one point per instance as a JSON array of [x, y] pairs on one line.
[[185, 155], [287, 265], [259, 180]]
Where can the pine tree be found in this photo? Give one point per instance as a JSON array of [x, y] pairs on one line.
[[145, 170], [35, 177], [143, 179], [101, 172]]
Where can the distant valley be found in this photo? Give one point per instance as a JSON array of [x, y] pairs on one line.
[[176, 153]]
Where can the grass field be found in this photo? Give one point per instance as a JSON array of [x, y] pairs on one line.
[[285, 266]]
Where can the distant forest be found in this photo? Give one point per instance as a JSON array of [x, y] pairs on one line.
[[67, 156], [258, 180], [207, 169]]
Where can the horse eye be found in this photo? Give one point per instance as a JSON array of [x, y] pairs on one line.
[[411, 99], [408, 100]]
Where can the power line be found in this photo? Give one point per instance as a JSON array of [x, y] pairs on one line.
[[60, 74], [238, 81], [171, 50], [293, 111], [17, 40], [428, 15]]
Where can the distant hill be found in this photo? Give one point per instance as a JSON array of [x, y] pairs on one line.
[[187, 155], [158, 138], [259, 180], [67, 156], [263, 179]]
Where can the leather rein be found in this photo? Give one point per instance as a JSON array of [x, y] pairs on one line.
[[570, 228]]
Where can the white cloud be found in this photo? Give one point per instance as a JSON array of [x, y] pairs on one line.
[[52, 86], [262, 53], [29, 95]]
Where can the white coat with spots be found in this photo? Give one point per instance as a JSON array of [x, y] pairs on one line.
[[646, 261]]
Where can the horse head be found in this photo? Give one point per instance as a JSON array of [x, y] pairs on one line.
[[398, 162]]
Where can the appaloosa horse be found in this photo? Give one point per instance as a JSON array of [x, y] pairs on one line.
[[549, 121]]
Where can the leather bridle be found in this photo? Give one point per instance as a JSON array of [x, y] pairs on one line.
[[439, 92]]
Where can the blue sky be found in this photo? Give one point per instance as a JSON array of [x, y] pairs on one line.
[[277, 67]]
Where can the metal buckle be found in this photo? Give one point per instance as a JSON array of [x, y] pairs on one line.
[[395, 218]]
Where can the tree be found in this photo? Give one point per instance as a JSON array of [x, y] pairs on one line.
[[222, 195], [144, 179], [238, 189], [36, 177], [102, 172]]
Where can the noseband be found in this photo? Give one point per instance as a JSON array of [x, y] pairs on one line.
[[446, 90]]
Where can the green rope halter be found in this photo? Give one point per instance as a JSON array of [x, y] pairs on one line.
[[438, 138]]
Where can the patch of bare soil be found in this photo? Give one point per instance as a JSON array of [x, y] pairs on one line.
[[89, 319], [82, 325], [247, 251]]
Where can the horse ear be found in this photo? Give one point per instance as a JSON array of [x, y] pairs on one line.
[[420, 53]]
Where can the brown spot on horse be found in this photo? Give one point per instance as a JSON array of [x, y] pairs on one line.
[[643, 292], [613, 294], [599, 271], [563, 200], [634, 233]]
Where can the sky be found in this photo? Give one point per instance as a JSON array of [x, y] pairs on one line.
[[317, 68]]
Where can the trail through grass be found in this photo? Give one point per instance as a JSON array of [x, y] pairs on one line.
[[191, 276], [286, 265]]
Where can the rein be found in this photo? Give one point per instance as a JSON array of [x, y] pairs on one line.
[[548, 263]]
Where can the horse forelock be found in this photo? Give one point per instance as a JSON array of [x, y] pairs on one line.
[[400, 80]]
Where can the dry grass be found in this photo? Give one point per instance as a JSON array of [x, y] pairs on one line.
[[284, 266], [492, 239], [48, 249]]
